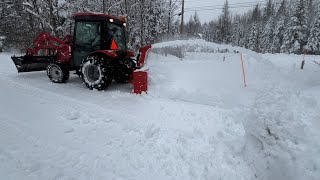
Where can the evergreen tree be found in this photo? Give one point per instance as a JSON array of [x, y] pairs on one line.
[[193, 27], [310, 12], [212, 31], [314, 39], [225, 24], [269, 11], [278, 35], [155, 24], [236, 33], [267, 36], [190, 26], [296, 35], [268, 28], [197, 24], [279, 30], [256, 14], [253, 43], [175, 30], [219, 32]]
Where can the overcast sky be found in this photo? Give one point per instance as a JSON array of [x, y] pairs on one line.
[[214, 6]]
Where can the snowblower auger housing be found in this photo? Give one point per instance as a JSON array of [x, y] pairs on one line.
[[97, 51]]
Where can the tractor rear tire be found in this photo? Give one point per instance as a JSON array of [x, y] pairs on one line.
[[97, 72], [58, 73]]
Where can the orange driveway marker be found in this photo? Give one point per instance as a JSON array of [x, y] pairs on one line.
[[244, 73]]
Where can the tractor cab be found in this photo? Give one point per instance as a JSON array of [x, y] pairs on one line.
[[93, 32]]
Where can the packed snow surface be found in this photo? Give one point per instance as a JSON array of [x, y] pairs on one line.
[[197, 121]]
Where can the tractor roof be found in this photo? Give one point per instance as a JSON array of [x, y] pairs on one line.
[[99, 16]]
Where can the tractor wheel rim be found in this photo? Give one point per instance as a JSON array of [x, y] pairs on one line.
[[55, 72], [92, 73]]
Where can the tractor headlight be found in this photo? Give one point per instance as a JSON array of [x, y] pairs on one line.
[[124, 24], [111, 20]]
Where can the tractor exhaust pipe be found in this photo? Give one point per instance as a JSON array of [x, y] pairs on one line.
[[32, 63]]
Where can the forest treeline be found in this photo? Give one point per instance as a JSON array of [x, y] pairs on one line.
[[275, 26]]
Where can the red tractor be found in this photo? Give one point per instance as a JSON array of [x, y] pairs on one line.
[[97, 52]]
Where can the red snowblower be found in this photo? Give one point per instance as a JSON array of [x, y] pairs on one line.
[[97, 52]]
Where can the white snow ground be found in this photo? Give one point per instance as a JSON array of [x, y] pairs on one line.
[[198, 121]]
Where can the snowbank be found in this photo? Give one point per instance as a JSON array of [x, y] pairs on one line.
[[282, 135]]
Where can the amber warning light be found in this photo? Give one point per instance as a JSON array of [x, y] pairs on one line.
[[123, 18]]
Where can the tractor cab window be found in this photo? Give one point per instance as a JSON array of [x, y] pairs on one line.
[[88, 35], [117, 33]]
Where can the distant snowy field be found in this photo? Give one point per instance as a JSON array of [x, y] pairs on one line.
[[197, 121]]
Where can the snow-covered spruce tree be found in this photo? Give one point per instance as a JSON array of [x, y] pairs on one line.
[[236, 32], [254, 38], [296, 35], [256, 14], [197, 25], [253, 43], [172, 20], [313, 45], [278, 35], [212, 31], [239, 31], [268, 28], [175, 30], [267, 36], [225, 27], [204, 31], [246, 27], [219, 31], [268, 11], [17, 24], [244, 34], [311, 12], [155, 24], [49, 14], [279, 30], [189, 27], [193, 27]]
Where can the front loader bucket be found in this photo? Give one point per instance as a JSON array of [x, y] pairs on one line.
[[32, 63]]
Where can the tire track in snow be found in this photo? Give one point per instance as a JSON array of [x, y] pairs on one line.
[[30, 147], [60, 155], [131, 145]]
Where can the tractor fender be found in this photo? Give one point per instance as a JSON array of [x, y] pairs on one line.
[[131, 54], [113, 53], [108, 53]]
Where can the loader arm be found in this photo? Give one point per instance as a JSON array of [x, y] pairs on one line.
[[45, 41], [56, 50]]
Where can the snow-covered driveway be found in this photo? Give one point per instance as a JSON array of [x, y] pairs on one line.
[[197, 122]]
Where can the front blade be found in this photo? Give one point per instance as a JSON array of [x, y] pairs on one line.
[[32, 63]]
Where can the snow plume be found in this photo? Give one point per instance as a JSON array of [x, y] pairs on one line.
[[179, 48], [279, 137]]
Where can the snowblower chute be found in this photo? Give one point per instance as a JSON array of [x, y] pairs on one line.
[[97, 52]]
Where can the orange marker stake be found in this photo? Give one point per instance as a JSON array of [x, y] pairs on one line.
[[244, 73]]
